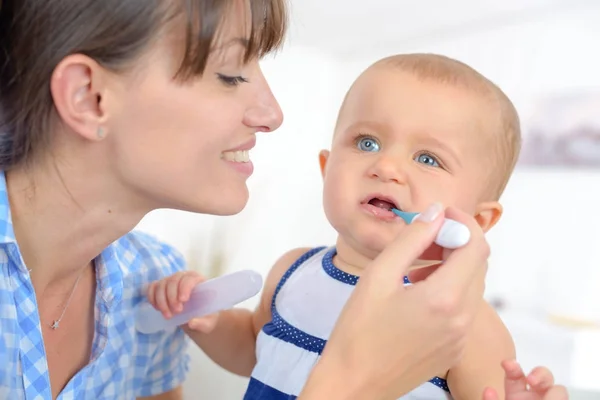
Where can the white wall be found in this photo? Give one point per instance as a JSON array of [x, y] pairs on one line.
[[542, 247], [543, 256]]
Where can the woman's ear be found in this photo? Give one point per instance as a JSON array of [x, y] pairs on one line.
[[488, 214], [323, 157], [77, 86]]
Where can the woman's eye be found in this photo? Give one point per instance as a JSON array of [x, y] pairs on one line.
[[427, 160], [367, 144], [231, 80]]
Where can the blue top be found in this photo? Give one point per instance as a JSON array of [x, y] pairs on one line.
[[124, 364]]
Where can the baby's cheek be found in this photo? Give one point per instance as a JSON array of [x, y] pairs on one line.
[[333, 201], [334, 189], [450, 195], [465, 198]]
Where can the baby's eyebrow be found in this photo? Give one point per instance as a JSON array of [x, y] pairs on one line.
[[433, 141], [369, 126]]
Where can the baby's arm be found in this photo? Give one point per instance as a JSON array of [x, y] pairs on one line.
[[229, 339], [488, 346]]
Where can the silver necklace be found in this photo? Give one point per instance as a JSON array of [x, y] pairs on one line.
[[56, 322]]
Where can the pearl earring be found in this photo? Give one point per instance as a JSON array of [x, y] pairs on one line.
[[100, 133]]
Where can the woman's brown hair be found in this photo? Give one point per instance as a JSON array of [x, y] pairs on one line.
[[36, 35]]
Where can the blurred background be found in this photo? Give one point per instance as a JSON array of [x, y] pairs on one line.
[[544, 274]]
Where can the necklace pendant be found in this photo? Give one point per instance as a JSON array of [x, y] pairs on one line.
[[55, 325]]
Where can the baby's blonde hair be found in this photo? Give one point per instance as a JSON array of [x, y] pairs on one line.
[[507, 134]]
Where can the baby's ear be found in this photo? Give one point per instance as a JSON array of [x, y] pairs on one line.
[[487, 214], [323, 157]]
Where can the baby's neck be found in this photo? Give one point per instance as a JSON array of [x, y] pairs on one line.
[[349, 259], [353, 260]]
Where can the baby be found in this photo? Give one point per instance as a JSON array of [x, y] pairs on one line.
[[413, 129]]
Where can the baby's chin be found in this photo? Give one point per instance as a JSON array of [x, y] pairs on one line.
[[373, 243], [368, 239]]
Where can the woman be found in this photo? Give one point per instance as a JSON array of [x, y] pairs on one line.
[[113, 108]]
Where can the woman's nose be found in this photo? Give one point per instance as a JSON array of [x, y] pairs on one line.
[[265, 114]]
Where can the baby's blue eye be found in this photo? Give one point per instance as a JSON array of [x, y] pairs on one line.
[[427, 159], [368, 144]]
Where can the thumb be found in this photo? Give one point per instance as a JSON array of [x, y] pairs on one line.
[[393, 262], [203, 324], [490, 394]]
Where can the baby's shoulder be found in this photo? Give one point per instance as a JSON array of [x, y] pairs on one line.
[[294, 257], [285, 264]]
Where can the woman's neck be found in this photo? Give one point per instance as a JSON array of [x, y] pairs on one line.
[[64, 215]]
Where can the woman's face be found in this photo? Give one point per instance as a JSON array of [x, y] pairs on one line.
[[184, 145]]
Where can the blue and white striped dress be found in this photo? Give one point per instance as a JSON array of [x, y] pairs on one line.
[[306, 305]]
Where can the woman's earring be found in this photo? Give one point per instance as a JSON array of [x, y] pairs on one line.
[[100, 133]]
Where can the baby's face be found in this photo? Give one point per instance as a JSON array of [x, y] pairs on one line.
[[404, 143]]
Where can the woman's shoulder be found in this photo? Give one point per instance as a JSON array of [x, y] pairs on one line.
[[142, 251]]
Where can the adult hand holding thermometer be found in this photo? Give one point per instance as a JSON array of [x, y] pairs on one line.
[[452, 234]]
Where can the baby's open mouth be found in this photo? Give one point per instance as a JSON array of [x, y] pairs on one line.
[[384, 203]]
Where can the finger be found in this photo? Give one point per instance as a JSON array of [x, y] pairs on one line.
[[464, 264], [514, 381], [433, 252], [172, 292], [540, 379], [205, 324], [151, 293], [195, 324], [558, 392], [490, 394], [473, 294], [417, 275], [187, 284], [161, 299], [420, 274], [392, 264]]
